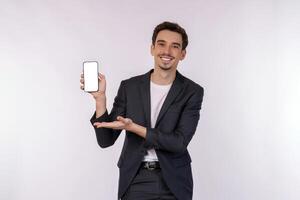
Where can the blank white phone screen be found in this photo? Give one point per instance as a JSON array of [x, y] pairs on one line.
[[90, 74]]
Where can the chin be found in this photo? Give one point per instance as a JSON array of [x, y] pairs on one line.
[[166, 68]]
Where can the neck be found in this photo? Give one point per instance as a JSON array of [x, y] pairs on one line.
[[162, 77]]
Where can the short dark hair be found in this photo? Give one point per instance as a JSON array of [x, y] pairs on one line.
[[171, 27]]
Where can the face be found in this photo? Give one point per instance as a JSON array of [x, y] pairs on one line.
[[167, 50]]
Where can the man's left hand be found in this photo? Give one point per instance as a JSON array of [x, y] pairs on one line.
[[120, 124]]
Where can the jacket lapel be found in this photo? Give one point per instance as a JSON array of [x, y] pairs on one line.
[[175, 89], [145, 94]]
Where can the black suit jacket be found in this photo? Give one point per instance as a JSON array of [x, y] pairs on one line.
[[174, 129]]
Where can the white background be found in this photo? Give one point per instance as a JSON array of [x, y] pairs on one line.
[[244, 53]]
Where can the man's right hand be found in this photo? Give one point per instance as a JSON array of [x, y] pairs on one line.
[[100, 94]]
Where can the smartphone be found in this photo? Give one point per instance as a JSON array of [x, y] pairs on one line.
[[90, 76]]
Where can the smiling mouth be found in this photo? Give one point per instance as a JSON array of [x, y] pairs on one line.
[[166, 59]]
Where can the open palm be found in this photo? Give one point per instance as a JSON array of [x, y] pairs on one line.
[[120, 124]]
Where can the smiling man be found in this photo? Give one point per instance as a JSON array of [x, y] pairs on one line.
[[159, 111]]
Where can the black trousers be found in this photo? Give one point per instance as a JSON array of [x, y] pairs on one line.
[[148, 185]]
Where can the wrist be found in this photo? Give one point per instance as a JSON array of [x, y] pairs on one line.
[[137, 129], [100, 98], [131, 127]]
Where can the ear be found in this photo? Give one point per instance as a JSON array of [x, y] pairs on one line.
[[152, 49], [183, 53]]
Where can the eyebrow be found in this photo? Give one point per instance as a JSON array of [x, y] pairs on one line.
[[160, 41], [176, 43]]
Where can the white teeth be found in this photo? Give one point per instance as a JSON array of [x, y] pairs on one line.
[[166, 59]]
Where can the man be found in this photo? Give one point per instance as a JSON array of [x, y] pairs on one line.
[[159, 111]]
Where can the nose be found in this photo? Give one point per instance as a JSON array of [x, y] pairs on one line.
[[167, 49]]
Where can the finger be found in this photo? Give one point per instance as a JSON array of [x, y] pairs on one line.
[[99, 124], [81, 80], [81, 75], [129, 121], [104, 124], [81, 87], [124, 120], [96, 124], [120, 118], [101, 76]]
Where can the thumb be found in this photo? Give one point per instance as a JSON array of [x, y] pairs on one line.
[[124, 120]]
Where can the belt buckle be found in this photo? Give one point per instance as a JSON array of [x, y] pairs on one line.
[[150, 166]]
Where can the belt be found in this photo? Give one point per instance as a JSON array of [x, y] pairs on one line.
[[150, 165]]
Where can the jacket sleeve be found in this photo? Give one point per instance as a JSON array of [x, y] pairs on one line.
[[178, 140], [106, 137]]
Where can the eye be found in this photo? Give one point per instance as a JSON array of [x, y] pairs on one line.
[[176, 46]]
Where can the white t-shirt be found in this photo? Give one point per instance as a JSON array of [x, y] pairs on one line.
[[158, 95]]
